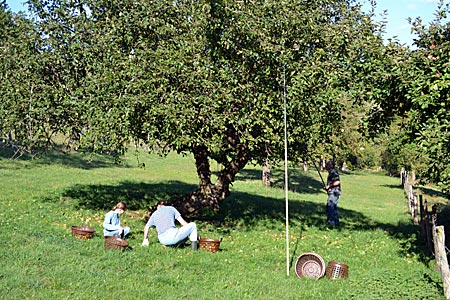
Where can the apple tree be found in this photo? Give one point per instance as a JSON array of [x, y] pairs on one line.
[[207, 77]]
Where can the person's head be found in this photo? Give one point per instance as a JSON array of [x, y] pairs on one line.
[[329, 165], [160, 204], [120, 207]]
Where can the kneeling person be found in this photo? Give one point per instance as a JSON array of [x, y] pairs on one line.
[[168, 234]]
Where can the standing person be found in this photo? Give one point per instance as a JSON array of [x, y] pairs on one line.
[[111, 224], [168, 234], [333, 189]]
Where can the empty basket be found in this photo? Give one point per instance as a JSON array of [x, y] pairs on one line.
[[310, 265], [83, 232], [336, 270]]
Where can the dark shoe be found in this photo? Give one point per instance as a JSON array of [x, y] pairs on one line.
[[194, 246]]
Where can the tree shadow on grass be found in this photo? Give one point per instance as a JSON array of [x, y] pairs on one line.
[[298, 181], [77, 160], [433, 193], [137, 195], [245, 211], [241, 211]]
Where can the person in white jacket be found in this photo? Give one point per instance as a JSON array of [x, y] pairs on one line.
[[111, 224]]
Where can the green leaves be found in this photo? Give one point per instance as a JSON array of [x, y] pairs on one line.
[[419, 81], [213, 73]]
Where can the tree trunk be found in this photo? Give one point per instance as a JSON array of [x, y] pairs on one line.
[[305, 166], [266, 174], [209, 194]]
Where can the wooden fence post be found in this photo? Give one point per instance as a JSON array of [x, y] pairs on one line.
[[441, 258], [428, 232], [415, 209], [402, 177], [411, 199], [435, 235], [422, 217]]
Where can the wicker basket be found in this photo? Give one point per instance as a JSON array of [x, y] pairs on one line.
[[310, 265], [83, 232], [210, 245], [336, 270], [112, 242]]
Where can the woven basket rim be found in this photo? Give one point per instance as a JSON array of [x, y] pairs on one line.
[[335, 263], [111, 240], [202, 240], [83, 228], [309, 256]]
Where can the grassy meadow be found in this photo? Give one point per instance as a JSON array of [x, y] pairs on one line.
[[42, 198]]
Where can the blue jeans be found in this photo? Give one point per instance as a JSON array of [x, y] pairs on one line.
[[115, 233], [332, 209], [174, 236]]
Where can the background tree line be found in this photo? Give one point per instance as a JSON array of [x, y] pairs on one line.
[[210, 78]]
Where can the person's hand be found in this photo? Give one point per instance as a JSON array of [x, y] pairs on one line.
[[145, 242]]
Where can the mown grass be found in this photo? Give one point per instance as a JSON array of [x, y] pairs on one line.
[[42, 198]]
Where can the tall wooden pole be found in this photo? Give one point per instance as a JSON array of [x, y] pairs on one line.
[[286, 173]]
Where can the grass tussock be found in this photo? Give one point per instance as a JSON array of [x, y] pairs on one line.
[[43, 198]]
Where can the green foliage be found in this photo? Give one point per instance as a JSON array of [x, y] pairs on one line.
[[415, 101], [401, 151], [211, 73], [204, 77], [428, 91], [23, 112]]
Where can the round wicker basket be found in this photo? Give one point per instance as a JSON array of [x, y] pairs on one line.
[[83, 232], [210, 245], [310, 265], [112, 242], [336, 270]]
